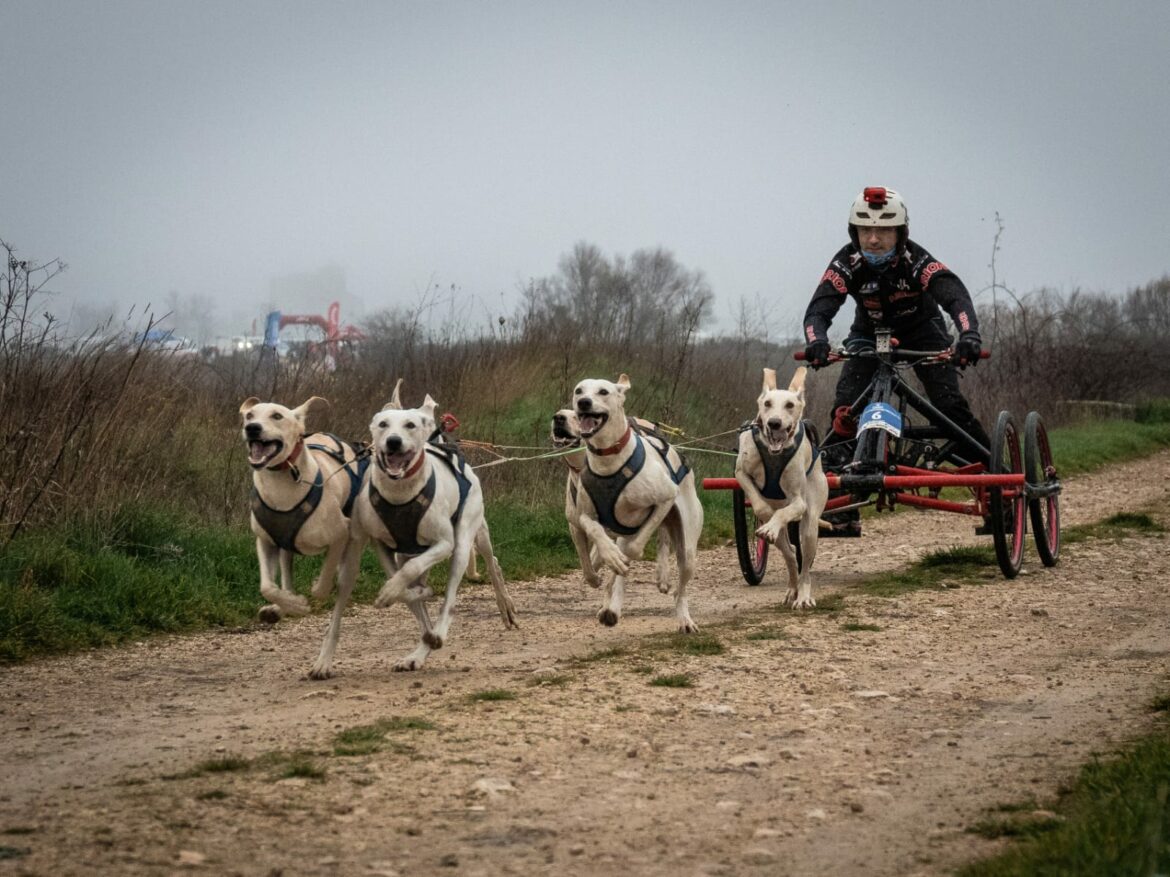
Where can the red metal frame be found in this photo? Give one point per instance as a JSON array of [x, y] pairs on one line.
[[896, 488]]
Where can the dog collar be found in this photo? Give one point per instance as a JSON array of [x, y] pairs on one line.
[[291, 460], [613, 449]]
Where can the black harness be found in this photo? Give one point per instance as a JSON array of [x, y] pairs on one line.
[[402, 520], [604, 490], [776, 463], [283, 525]]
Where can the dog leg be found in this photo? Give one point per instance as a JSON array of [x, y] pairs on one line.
[[394, 590], [324, 583], [416, 659], [457, 566], [282, 598], [483, 543], [633, 547], [611, 610], [350, 565], [686, 541], [808, 553], [789, 555], [662, 558], [587, 555]]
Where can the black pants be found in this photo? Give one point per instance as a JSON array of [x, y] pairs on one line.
[[941, 382]]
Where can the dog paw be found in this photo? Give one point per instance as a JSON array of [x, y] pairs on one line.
[[769, 533], [408, 665], [432, 639], [612, 557], [592, 580], [801, 601], [685, 625], [269, 614], [321, 590], [389, 595], [664, 586], [321, 671], [607, 617]]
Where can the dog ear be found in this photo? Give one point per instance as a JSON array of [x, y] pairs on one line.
[[428, 408], [395, 398], [796, 385], [769, 379], [313, 403], [248, 404], [623, 382]]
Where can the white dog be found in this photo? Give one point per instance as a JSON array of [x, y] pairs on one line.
[[631, 485], [781, 476], [421, 504], [566, 435], [300, 498]]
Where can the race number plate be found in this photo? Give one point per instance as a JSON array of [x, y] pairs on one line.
[[879, 415]]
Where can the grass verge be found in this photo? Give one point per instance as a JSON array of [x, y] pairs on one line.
[[1113, 820]]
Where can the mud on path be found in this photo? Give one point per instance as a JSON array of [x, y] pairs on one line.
[[806, 747]]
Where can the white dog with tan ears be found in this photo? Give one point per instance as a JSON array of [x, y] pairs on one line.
[[632, 484], [300, 498], [421, 504], [780, 472]]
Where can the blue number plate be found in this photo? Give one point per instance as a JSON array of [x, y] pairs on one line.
[[879, 415]]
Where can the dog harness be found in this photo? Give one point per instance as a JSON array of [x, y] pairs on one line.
[[604, 490], [402, 520], [360, 464], [282, 525], [776, 463]]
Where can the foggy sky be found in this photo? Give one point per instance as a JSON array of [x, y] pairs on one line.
[[205, 147]]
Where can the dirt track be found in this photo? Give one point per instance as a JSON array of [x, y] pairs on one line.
[[824, 751]]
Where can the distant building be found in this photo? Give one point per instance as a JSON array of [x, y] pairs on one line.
[[310, 292]]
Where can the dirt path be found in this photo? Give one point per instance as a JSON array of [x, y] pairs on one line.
[[804, 748]]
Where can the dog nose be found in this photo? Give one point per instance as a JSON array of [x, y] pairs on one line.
[[559, 419], [775, 423], [584, 404], [393, 444], [252, 430]]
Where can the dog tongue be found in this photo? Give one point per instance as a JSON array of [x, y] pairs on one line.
[[258, 452], [589, 422]]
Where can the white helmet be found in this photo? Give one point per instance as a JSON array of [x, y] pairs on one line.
[[879, 206]]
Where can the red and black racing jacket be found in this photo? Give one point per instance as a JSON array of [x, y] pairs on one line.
[[904, 297]]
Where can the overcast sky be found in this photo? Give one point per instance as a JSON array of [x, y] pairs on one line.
[[205, 147]]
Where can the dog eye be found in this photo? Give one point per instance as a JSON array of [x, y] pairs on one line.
[[381, 424], [603, 392], [249, 416], [789, 406], [768, 404], [276, 415], [577, 392], [410, 424]]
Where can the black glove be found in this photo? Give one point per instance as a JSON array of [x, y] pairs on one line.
[[968, 349], [817, 354]]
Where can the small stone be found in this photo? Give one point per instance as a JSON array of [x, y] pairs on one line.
[[191, 859], [871, 694], [856, 806], [815, 813], [492, 788], [449, 861]]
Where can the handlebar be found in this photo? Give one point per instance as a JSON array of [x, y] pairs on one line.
[[841, 354]]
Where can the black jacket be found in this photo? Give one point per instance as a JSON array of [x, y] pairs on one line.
[[904, 297]]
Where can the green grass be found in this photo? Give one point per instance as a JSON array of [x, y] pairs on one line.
[[766, 633], [490, 695], [1114, 527], [673, 680], [367, 739], [971, 564], [1113, 820], [1090, 446]]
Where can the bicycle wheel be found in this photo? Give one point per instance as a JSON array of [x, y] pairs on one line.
[[1039, 471], [752, 550], [1007, 504]]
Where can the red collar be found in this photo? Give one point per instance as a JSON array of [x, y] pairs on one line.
[[291, 459], [414, 467], [613, 449]]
